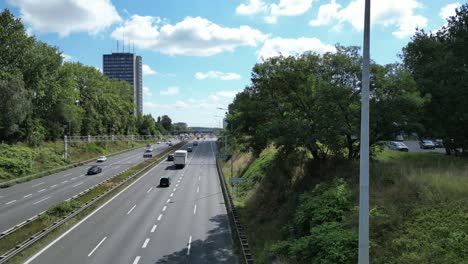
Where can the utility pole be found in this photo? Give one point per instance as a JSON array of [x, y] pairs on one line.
[[363, 256], [65, 147]]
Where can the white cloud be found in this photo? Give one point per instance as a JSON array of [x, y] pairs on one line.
[[449, 10], [275, 10], [173, 90], [252, 7], [228, 76], [147, 92], [67, 57], [193, 36], [227, 95], [147, 70], [291, 47], [181, 104], [67, 16], [385, 13]]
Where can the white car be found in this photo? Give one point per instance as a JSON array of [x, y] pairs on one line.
[[159, 142], [101, 159]]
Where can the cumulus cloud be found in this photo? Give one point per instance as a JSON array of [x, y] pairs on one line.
[[173, 90], [291, 47], [147, 92], [67, 57], [147, 70], [274, 10], [385, 13], [67, 16], [194, 36], [226, 95], [228, 76], [449, 10]]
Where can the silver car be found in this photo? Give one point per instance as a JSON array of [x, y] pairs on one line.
[[399, 146]]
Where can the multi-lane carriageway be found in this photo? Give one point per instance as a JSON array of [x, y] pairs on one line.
[[23, 201], [184, 223]]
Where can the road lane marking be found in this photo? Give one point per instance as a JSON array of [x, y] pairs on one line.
[[198, 177], [198, 189], [177, 185], [159, 217], [168, 201], [81, 176], [78, 184], [10, 202], [26, 196], [35, 185], [189, 245], [146, 243], [55, 185], [174, 189], [64, 181], [137, 259], [68, 174], [95, 248], [149, 190], [32, 258], [131, 209], [41, 190], [73, 178], [195, 209], [154, 228], [164, 208], [42, 200], [172, 194]]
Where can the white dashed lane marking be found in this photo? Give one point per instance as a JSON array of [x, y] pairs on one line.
[[96, 247]]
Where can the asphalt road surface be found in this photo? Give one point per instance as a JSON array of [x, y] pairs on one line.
[[22, 201], [184, 223], [413, 146]]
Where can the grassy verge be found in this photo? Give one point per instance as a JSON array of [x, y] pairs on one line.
[[296, 212], [56, 212]]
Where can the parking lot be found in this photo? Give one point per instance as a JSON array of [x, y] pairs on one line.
[[413, 146]]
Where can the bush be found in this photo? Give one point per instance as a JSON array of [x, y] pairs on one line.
[[63, 208]]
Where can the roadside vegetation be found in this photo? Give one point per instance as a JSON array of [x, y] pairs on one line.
[[294, 136]]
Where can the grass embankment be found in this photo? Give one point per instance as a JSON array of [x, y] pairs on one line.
[[295, 212], [20, 160], [61, 209]]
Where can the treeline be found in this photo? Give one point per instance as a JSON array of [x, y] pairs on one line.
[[43, 98], [313, 101]]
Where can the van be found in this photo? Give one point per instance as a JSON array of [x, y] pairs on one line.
[[180, 158]]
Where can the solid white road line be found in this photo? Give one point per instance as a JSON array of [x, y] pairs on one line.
[[41, 190], [10, 202], [86, 218], [137, 259], [42, 200], [78, 184], [35, 185], [26, 196], [164, 208], [129, 211], [189, 245], [145, 243], [149, 190], [195, 209], [159, 217], [92, 251], [55, 185], [172, 194], [198, 189], [154, 228]]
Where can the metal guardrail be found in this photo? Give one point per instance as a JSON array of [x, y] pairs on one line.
[[247, 255], [34, 238], [59, 169]]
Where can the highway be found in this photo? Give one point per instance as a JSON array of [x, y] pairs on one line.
[[184, 223], [22, 201]]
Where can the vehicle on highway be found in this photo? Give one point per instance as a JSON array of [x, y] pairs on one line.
[[427, 144], [189, 149], [170, 157], [399, 146], [170, 144], [159, 142], [195, 143], [149, 146], [180, 158], [164, 181], [101, 159], [439, 143], [94, 170]]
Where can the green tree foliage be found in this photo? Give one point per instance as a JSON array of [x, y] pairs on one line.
[[166, 122], [438, 63]]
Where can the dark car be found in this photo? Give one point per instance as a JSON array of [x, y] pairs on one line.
[[195, 143], [439, 143], [94, 170], [164, 181], [170, 144], [148, 155], [427, 144], [189, 149], [170, 157]]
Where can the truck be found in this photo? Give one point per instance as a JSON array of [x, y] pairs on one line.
[[180, 158]]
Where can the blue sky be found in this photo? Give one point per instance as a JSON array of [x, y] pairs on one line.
[[199, 53]]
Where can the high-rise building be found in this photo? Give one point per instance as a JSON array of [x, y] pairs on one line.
[[127, 67]]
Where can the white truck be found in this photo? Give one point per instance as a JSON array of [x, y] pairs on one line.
[[180, 158]]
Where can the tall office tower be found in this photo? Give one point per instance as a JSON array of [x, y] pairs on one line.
[[127, 67]]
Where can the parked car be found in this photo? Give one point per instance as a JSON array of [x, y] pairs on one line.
[[399, 146], [164, 181], [439, 143], [189, 149], [101, 159], [94, 170], [170, 157], [427, 144]]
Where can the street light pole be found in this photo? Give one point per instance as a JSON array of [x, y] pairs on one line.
[[363, 256]]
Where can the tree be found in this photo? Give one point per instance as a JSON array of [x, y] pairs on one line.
[[166, 122]]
